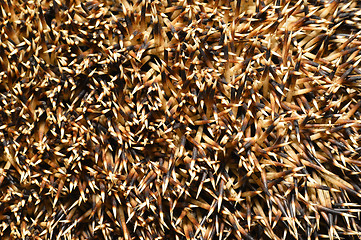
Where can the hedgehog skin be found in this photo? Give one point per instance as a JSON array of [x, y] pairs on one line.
[[180, 119]]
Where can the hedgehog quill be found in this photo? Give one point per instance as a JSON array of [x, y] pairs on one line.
[[180, 119]]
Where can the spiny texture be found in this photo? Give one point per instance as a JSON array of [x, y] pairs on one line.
[[180, 119]]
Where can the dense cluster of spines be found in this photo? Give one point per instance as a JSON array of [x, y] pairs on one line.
[[180, 119]]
